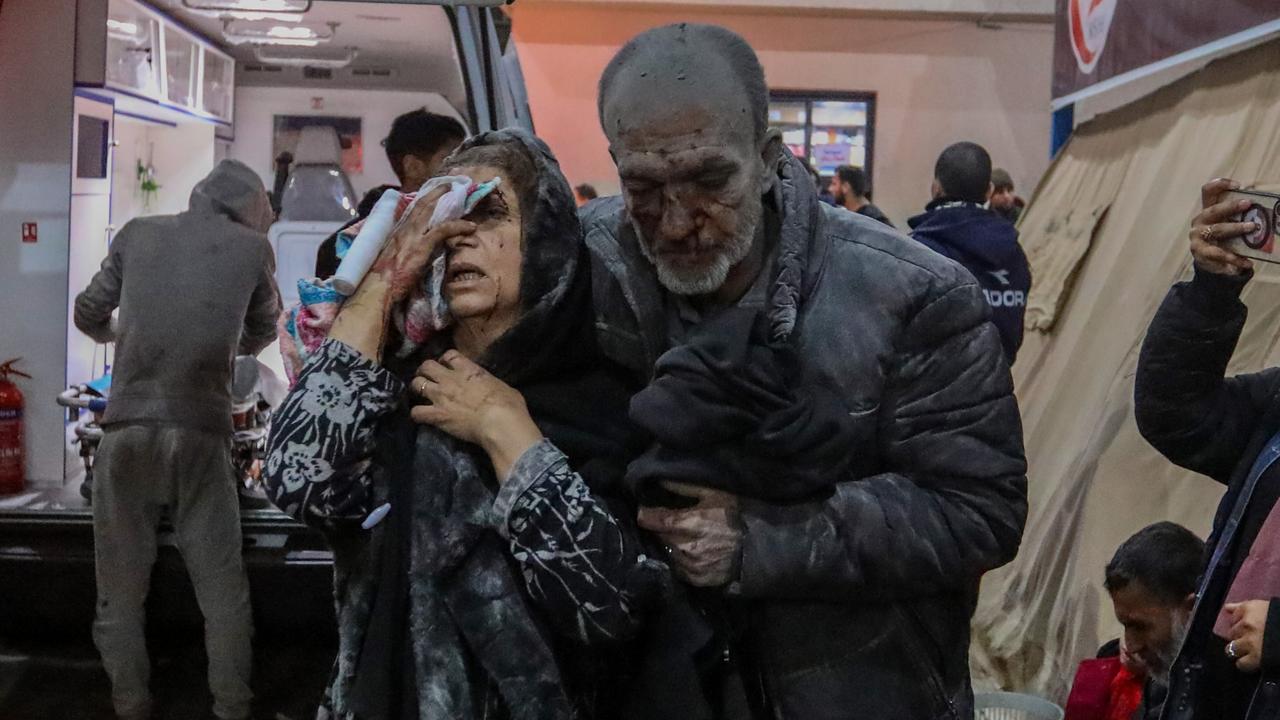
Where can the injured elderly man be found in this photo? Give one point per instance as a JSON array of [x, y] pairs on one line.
[[833, 449]]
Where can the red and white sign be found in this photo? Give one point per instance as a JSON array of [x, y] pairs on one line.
[[1090, 23], [1103, 43], [30, 232]]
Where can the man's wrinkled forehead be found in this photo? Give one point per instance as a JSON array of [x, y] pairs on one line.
[[682, 161], [683, 102]]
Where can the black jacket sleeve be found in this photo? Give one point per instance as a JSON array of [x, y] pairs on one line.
[[1185, 406], [953, 501]]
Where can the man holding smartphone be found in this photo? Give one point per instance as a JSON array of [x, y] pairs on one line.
[[1229, 429]]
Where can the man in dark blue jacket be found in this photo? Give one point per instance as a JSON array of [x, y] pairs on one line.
[[957, 225]]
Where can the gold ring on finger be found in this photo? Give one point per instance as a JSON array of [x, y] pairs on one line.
[[1207, 233]]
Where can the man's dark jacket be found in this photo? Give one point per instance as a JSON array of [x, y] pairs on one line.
[[874, 213], [1213, 425], [858, 605], [987, 246]]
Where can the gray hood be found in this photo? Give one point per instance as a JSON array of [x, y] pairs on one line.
[[234, 190]]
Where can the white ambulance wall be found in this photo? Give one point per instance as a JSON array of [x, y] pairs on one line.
[[37, 40], [181, 156], [256, 108], [131, 145]]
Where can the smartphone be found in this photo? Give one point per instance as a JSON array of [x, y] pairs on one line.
[[1261, 244]]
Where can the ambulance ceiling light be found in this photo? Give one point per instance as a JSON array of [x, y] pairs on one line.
[[267, 57], [235, 7], [253, 16], [123, 30], [127, 28], [246, 33]]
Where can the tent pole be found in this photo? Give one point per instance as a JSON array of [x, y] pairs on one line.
[[1063, 123]]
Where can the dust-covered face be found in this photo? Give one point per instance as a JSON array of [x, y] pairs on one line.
[[692, 164], [482, 279], [693, 190]]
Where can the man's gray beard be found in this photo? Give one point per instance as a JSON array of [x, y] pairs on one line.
[[1168, 655], [701, 281]]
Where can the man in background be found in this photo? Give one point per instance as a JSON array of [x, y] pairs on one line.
[[584, 194], [1004, 201], [957, 224], [416, 147], [194, 290], [823, 190], [1152, 583], [851, 189]]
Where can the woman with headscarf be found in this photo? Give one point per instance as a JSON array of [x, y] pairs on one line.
[[479, 570]]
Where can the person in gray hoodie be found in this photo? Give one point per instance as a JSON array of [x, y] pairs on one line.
[[194, 290]]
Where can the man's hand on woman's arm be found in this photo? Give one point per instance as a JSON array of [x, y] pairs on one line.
[[704, 541]]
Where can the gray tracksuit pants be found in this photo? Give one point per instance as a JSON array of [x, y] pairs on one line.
[[138, 470]]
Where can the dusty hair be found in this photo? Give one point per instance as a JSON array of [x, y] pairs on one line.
[[723, 43]]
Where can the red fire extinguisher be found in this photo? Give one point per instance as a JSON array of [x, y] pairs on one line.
[[12, 465]]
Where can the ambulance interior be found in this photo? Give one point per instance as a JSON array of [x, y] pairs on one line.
[[302, 91]]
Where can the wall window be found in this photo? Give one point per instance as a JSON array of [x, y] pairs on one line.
[[830, 129]]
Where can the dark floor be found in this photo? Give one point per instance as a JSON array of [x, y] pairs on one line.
[[49, 669], [65, 680]]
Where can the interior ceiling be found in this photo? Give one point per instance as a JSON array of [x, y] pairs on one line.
[[414, 41]]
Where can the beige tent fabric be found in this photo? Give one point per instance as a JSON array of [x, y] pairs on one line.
[[1107, 235], [1057, 239]]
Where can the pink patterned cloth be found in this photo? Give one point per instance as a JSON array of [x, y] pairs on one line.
[[304, 326], [1259, 575]]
